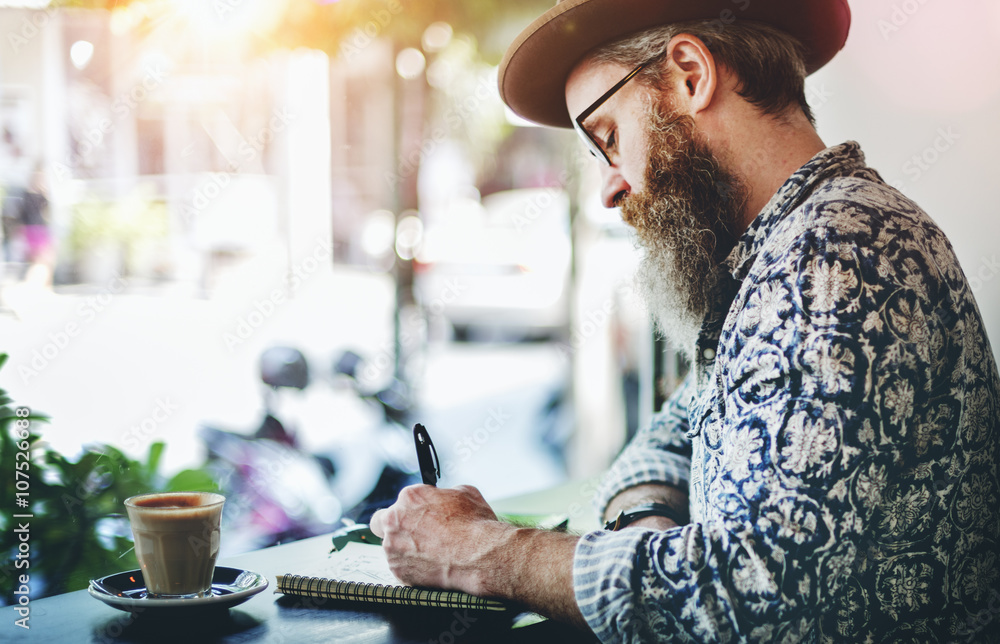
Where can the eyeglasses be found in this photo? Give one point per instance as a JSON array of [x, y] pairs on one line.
[[588, 140]]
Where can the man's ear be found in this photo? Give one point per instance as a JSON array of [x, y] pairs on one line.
[[693, 74]]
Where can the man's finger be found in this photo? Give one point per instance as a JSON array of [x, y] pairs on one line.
[[471, 491], [376, 524]]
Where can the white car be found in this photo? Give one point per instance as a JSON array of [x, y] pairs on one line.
[[502, 265]]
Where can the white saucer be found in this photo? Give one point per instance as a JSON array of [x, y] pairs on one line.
[[127, 591]]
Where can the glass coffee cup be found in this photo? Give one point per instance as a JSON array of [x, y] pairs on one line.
[[176, 538]]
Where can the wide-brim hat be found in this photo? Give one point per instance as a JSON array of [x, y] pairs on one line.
[[533, 72]]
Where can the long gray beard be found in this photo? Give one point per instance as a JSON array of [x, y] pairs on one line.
[[666, 293], [685, 218]]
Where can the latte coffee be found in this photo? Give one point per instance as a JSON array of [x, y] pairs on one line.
[[176, 540]]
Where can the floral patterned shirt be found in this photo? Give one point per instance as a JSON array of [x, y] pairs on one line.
[[837, 436]]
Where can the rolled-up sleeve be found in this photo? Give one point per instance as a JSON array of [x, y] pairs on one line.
[[659, 453], [638, 585], [750, 569]]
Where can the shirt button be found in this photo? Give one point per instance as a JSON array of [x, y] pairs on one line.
[[708, 353]]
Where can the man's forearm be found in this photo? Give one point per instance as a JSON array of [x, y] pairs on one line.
[[535, 568]]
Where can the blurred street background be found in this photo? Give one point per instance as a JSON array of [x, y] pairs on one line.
[[188, 183]]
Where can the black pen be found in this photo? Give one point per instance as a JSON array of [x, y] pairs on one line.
[[427, 458]]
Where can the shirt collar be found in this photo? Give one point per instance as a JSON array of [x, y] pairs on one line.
[[837, 160]]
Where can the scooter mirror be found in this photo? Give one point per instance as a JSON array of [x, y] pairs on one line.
[[284, 367], [348, 364]]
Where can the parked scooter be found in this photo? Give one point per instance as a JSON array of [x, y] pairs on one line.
[[389, 462], [282, 487]]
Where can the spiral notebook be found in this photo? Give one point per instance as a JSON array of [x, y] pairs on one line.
[[360, 572]]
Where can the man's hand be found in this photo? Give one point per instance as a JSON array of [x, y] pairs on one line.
[[440, 537], [450, 538]]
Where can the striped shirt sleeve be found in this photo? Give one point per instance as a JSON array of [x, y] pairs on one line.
[[659, 453], [638, 585]]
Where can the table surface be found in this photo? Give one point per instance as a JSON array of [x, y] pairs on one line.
[[275, 618]]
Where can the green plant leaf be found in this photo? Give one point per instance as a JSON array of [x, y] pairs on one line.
[[153, 458], [193, 481]]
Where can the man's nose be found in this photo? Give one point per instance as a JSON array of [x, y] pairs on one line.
[[614, 188]]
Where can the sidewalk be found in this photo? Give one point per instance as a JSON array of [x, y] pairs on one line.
[[127, 369]]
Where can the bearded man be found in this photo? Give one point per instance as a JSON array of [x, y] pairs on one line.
[[828, 471]]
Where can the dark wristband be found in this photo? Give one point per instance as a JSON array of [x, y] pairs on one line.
[[626, 517]]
